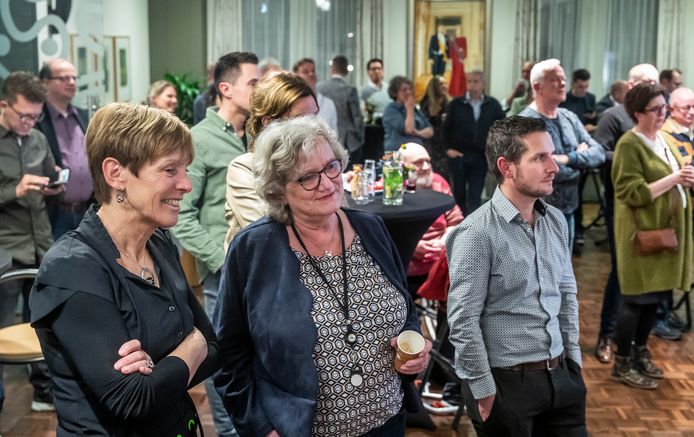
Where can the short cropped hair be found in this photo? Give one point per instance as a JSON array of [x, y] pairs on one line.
[[372, 60], [340, 64], [537, 74], [506, 139], [134, 135], [580, 74], [638, 98], [280, 151], [24, 83], [156, 89], [273, 97], [395, 84], [300, 62], [667, 74], [228, 67]]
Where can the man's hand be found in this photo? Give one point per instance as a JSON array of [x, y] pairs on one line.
[[30, 182], [485, 407], [582, 147], [561, 159], [452, 153]]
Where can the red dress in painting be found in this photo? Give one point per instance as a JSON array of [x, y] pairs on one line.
[[458, 53]]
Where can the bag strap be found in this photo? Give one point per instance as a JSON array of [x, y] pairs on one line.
[[673, 209]]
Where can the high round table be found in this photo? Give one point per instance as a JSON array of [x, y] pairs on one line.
[[408, 222]]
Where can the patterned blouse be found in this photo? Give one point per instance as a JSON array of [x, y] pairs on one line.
[[377, 312]]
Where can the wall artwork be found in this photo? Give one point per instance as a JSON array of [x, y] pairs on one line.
[[121, 51], [449, 40]]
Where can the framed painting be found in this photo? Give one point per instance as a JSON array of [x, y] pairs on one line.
[[121, 53], [449, 39]]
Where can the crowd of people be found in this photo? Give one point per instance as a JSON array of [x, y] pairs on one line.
[[303, 298]]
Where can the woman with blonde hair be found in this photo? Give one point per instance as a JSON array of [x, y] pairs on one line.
[[276, 96], [162, 95]]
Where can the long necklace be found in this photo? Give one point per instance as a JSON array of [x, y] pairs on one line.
[[145, 272], [356, 375]]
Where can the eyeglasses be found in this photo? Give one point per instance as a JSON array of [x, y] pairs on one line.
[[311, 181], [660, 109], [64, 79], [25, 118]]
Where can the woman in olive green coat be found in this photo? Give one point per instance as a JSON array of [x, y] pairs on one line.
[[651, 192]]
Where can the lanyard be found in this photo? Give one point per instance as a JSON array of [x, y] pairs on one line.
[[344, 303]]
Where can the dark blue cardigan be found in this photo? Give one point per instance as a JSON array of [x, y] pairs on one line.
[[265, 330]]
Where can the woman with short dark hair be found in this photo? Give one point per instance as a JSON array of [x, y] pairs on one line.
[[651, 192], [403, 122]]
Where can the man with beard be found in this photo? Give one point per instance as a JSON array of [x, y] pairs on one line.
[[430, 247], [512, 306]]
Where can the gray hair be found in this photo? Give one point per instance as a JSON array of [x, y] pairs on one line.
[[280, 150], [537, 74]]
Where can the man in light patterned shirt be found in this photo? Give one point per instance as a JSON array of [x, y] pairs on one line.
[[512, 305]]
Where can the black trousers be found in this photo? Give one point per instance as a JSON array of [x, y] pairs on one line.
[[538, 403]]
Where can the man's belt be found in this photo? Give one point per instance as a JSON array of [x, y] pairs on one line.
[[538, 365]]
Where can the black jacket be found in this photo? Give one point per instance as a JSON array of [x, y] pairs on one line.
[[46, 126], [84, 306], [460, 130]]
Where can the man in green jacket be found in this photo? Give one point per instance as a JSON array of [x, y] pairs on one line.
[[26, 169], [218, 139]]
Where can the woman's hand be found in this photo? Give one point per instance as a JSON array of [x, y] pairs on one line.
[[134, 359], [685, 176], [410, 103], [415, 365], [272, 433]]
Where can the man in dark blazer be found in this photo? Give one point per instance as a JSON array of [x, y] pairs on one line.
[[438, 51], [64, 125], [350, 124]]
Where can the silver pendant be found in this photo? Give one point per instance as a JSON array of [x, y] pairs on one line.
[[351, 338], [356, 379]]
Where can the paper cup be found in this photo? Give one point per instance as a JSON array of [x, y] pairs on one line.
[[409, 345]]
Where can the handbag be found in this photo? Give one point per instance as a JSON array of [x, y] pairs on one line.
[[654, 241]]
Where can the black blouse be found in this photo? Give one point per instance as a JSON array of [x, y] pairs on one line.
[[85, 305]]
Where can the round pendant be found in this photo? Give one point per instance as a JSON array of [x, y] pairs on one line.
[[351, 338], [356, 379]]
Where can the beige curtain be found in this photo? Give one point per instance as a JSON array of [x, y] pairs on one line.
[[527, 37], [672, 30], [224, 27], [370, 34]]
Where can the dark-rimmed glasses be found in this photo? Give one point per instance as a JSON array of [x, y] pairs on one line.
[[24, 118], [660, 109], [311, 181]]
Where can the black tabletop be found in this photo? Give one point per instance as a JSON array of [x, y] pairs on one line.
[[5, 261], [408, 222]]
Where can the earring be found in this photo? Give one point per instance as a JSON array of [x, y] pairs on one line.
[[120, 196]]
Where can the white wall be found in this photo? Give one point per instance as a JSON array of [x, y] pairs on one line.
[[131, 18], [397, 37]]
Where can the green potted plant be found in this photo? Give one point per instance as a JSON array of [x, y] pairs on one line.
[[187, 89]]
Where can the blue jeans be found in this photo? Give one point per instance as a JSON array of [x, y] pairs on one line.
[[468, 174], [612, 298], [571, 222], [222, 421], [65, 221]]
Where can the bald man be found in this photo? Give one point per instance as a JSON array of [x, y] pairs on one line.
[[64, 126], [430, 247], [611, 126], [678, 127]]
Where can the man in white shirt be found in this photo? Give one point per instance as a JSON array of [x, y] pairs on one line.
[[375, 93], [306, 69]]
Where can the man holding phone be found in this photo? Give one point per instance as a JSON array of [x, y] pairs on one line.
[[26, 169]]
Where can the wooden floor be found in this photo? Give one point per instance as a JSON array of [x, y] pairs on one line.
[[612, 409]]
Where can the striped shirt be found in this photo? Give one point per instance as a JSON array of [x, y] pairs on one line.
[[513, 293]]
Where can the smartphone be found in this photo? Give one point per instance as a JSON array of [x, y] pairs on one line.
[[63, 177]]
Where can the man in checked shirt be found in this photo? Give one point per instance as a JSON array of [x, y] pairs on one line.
[[512, 305]]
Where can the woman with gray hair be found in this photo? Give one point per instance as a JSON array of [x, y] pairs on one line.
[[311, 300]]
